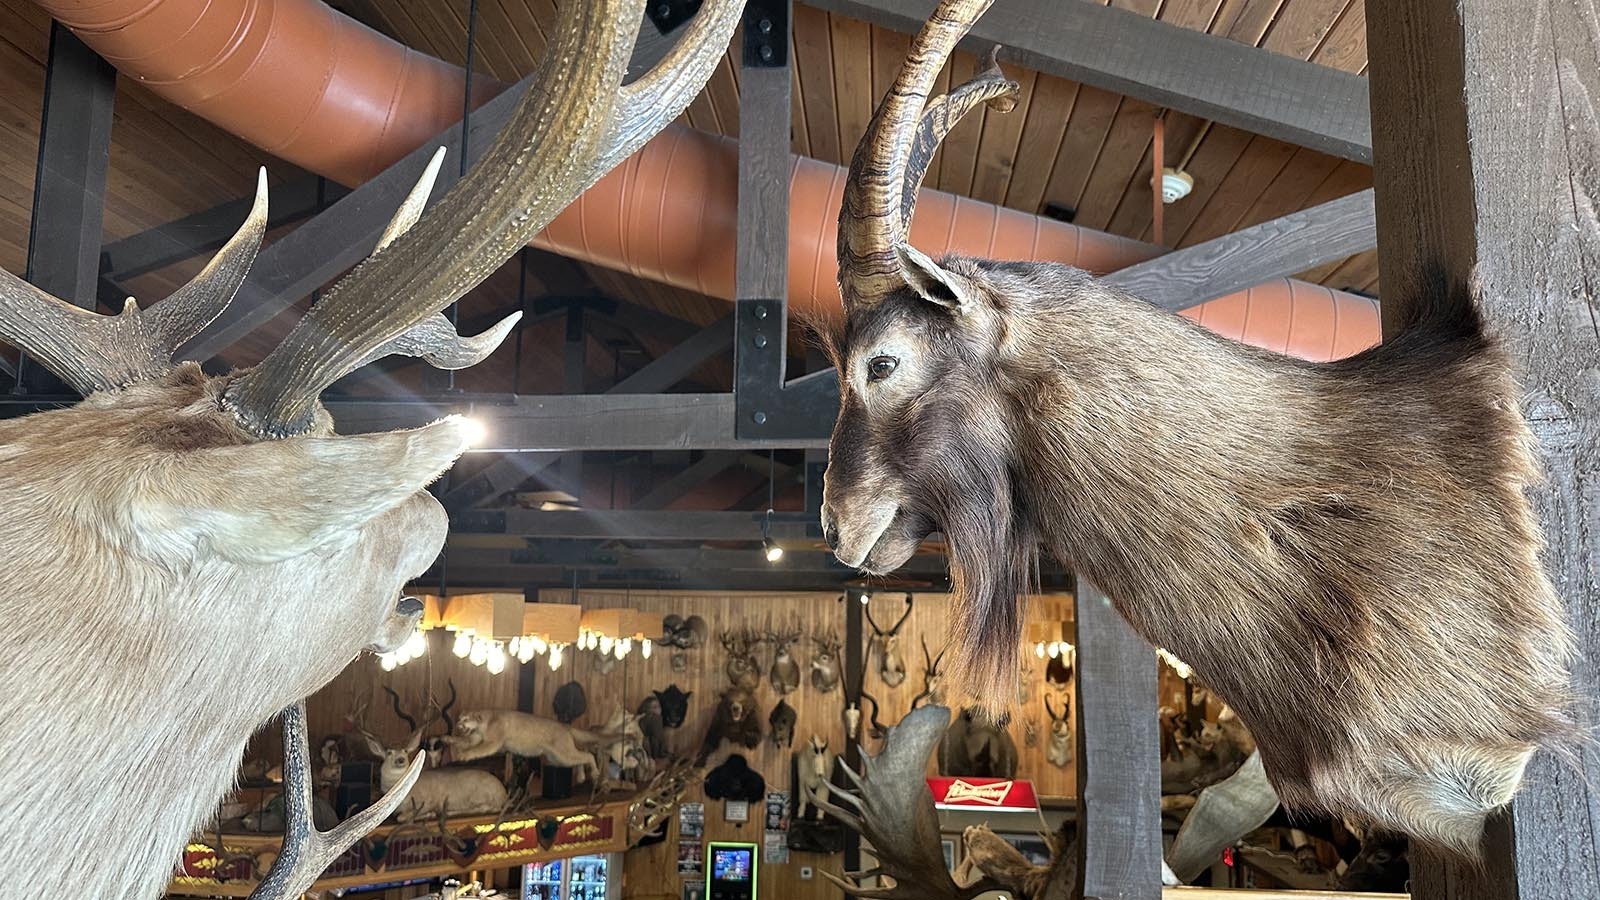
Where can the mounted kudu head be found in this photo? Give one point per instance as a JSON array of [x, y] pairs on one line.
[[180, 542], [1362, 522]]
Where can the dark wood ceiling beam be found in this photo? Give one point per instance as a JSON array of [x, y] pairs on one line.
[[635, 525], [680, 362], [1273, 249], [709, 466], [1190, 71], [69, 195], [1485, 123]]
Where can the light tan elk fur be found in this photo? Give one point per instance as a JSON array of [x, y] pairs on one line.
[[187, 555], [147, 533], [1342, 551]]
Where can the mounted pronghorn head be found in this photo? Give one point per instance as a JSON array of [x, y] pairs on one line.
[[1363, 521], [891, 664], [209, 542]]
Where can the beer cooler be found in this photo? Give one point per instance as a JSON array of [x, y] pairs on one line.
[[595, 877]]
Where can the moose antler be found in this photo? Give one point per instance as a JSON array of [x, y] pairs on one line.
[[892, 158], [895, 813], [575, 122], [307, 852]]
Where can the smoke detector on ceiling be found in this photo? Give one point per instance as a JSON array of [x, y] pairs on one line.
[[1175, 185]]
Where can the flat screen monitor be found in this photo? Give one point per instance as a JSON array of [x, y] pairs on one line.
[[731, 863]]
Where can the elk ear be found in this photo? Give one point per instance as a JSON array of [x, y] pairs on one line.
[[274, 500], [936, 284]]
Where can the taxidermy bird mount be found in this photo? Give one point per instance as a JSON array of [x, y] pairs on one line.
[[1363, 521]]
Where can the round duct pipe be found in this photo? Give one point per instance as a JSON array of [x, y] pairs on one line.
[[320, 90]]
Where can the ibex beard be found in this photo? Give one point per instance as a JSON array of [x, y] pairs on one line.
[[182, 581], [1342, 551]]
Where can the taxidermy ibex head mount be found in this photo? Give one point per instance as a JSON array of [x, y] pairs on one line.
[[240, 551], [1366, 516]]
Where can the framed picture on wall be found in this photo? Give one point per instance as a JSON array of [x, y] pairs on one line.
[[736, 811], [694, 890], [949, 847]]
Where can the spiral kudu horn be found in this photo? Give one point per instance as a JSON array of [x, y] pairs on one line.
[[892, 158], [575, 123]]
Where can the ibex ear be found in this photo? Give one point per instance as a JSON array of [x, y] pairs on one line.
[[936, 284], [274, 500]]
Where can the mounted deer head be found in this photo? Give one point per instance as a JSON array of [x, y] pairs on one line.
[[785, 672], [891, 665], [239, 552], [1366, 515], [932, 678], [742, 667], [825, 662]]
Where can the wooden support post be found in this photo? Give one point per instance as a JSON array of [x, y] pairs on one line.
[[1119, 774], [69, 193], [854, 662], [575, 365], [1485, 135]]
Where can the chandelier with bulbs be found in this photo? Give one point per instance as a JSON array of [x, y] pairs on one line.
[[491, 629], [616, 632]]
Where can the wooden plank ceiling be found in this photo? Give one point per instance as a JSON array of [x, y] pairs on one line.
[[1066, 147]]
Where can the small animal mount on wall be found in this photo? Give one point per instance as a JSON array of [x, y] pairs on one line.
[[977, 747], [682, 634], [1060, 750], [674, 705], [780, 724], [886, 644], [570, 703], [742, 667], [735, 721], [785, 672], [653, 727], [825, 662]]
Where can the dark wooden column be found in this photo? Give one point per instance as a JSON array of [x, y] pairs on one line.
[[69, 192], [1487, 153], [1119, 774]]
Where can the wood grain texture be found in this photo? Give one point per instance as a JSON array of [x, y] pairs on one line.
[[1509, 191], [1119, 810], [1236, 261]]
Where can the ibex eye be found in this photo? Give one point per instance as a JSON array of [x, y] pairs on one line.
[[879, 367]]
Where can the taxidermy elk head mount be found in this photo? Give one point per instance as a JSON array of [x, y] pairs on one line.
[[891, 665], [1365, 515], [239, 551]]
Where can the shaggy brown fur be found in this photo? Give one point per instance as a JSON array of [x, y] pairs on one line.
[[1342, 551]]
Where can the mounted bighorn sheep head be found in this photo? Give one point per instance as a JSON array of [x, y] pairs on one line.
[[891, 665], [742, 667], [825, 662], [785, 672], [241, 553], [1367, 515]]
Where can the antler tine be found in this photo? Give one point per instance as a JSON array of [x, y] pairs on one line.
[[307, 852], [92, 352], [907, 613], [394, 700], [989, 86], [565, 128], [871, 226]]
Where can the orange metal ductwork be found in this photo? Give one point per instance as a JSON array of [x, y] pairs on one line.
[[319, 89]]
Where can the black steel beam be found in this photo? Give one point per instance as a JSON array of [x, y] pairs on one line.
[[69, 194], [662, 525], [1190, 71]]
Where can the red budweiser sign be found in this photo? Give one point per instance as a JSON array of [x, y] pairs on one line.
[[996, 794]]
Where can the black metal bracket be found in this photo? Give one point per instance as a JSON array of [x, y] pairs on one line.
[[667, 15], [766, 34]]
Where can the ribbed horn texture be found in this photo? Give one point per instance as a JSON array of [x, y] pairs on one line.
[[871, 219]]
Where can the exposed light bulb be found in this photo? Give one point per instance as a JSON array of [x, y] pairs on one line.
[[539, 644], [627, 645], [480, 652], [386, 662], [496, 663], [773, 550], [1054, 649], [515, 648], [555, 656], [865, 599], [416, 645], [645, 648], [606, 643], [619, 651], [1038, 649], [524, 653], [462, 646]]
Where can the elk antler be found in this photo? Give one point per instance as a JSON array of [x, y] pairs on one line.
[[895, 813], [892, 158], [307, 852], [92, 352], [575, 122]]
